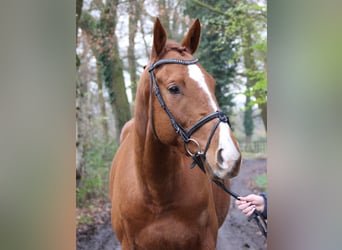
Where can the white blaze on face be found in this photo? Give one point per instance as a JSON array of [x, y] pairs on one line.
[[196, 74], [230, 152]]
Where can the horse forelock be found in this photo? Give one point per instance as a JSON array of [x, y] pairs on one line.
[[172, 46]]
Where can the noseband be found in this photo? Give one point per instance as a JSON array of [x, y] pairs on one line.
[[186, 135]]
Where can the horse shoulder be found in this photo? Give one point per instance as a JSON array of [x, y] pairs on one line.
[[222, 202], [123, 156], [122, 185], [126, 129]]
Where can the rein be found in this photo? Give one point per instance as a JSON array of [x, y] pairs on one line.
[[256, 215], [186, 135]]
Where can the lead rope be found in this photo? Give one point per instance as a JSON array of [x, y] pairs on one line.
[[256, 216]]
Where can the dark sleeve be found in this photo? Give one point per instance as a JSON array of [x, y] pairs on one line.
[[264, 213]]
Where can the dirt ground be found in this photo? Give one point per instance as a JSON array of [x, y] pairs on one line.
[[237, 233]]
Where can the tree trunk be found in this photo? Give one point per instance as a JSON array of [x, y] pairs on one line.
[[79, 133], [81, 126], [147, 48], [92, 37], [134, 16], [250, 65], [119, 100], [103, 35], [79, 5], [79, 110], [248, 146], [172, 17], [263, 108], [102, 101], [113, 68]]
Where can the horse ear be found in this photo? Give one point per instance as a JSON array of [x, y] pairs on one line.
[[159, 38], [191, 40]]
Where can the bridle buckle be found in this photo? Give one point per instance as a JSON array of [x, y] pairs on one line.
[[188, 151]]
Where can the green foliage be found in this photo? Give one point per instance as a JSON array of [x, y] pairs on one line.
[[239, 28], [88, 22], [258, 76], [248, 122], [258, 90], [261, 181], [86, 219], [95, 181], [216, 51]]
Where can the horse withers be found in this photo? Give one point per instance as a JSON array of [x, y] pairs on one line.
[[158, 202]]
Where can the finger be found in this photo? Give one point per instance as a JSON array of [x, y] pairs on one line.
[[250, 212], [239, 202], [248, 209], [244, 206], [243, 198], [247, 198]]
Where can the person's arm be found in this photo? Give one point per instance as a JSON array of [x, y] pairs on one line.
[[264, 212]]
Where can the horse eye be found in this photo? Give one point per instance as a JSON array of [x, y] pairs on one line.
[[174, 89]]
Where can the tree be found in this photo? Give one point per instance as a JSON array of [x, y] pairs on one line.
[[248, 123], [134, 12], [79, 108], [255, 76], [102, 101], [170, 13], [245, 22], [102, 33], [80, 131], [250, 67], [113, 67], [216, 51]]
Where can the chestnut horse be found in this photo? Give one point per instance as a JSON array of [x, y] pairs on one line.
[[158, 202]]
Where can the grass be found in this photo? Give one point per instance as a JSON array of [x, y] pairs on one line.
[[95, 180], [85, 219], [250, 155], [261, 182]]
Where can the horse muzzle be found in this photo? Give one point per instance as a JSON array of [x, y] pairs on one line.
[[227, 165]]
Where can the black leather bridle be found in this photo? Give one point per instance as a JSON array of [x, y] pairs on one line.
[[186, 135]]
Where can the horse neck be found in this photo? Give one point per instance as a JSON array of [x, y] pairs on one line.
[[158, 165]]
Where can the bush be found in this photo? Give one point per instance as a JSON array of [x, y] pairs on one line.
[[95, 181], [261, 181]]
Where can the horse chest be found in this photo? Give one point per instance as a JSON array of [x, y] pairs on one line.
[[171, 229], [168, 233]]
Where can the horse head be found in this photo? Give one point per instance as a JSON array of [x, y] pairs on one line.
[[183, 110]]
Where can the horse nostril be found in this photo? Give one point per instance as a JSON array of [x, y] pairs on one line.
[[219, 156]]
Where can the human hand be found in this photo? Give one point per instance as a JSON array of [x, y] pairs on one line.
[[249, 203]]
